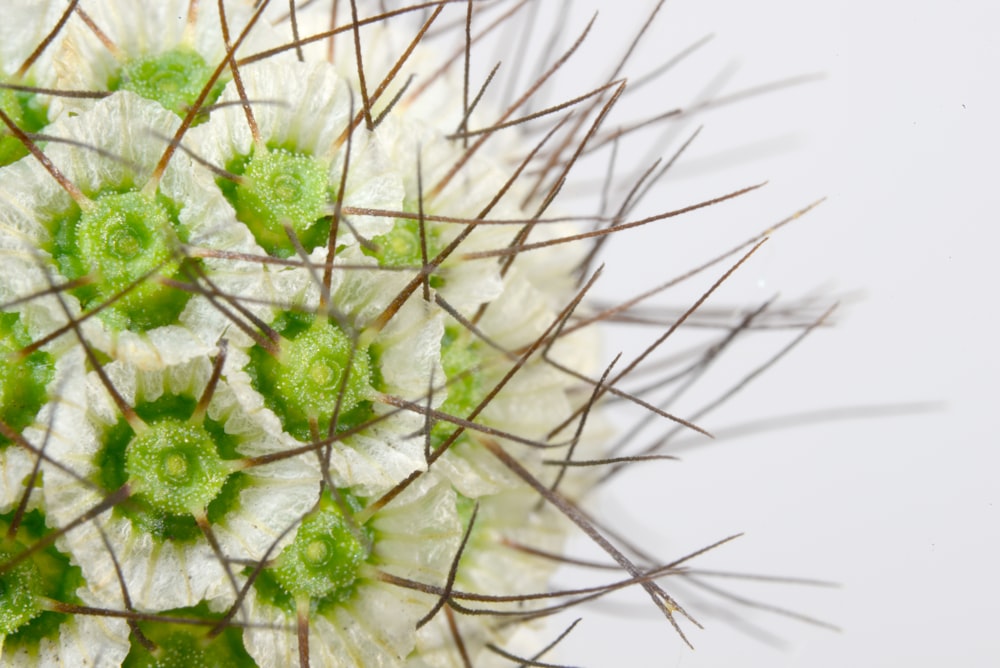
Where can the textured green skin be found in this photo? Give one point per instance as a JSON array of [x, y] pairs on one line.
[[188, 646], [174, 78], [175, 466], [46, 573], [23, 382], [279, 187], [297, 575], [302, 383], [163, 521], [401, 246], [323, 559], [122, 240]]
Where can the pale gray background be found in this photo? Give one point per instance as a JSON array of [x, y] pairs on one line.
[[901, 136]]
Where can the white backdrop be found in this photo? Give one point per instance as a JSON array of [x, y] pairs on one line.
[[901, 510]]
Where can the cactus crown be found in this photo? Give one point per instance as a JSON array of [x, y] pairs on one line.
[[297, 360]]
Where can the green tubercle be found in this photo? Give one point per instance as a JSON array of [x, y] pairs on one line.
[[174, 78], [23, 382], [401, 246], [27, 588], [27, 113], [278, 187], [322, 563], [123, 241], [303, 382], [175, 466], [178, 468], [189, 645]]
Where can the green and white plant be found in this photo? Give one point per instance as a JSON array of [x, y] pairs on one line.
[[298, 365]]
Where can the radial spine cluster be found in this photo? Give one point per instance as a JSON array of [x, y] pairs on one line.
[[250, 374], [298, 364]]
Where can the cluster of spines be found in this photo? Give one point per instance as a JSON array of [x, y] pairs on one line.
[[170, 457]]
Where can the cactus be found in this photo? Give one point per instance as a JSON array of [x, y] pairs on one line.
[[299, 365]]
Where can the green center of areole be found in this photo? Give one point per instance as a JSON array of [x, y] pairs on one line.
[[46, 575], [177, 469], [174, 465], [322, 563], [174, 78], [123, 243], [303, 382], [279, 188], [189, 645], [23, 382]]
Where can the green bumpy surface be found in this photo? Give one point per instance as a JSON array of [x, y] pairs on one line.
[[27, 113], [322, 563], [178, 469], [189, 645], [402, 246], [174, 78], [279, 188], [175, 466], [45, 574], [23, 382], [121, 243], [303, 382]]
